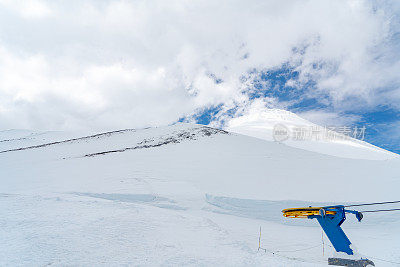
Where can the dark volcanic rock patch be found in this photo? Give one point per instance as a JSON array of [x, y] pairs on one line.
[[174, 138]]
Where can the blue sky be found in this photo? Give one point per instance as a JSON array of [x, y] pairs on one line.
[[380, 121]]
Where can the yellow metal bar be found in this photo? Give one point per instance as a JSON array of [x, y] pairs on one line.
[[304, 212]]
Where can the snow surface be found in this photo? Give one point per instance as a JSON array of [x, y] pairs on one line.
[[262, 123], [183, 195]]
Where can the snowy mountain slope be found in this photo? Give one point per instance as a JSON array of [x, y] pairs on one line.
[[131, 139], [11, 139], [182, 195], [261, 125]]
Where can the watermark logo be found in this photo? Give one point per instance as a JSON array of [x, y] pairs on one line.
[[280, 133], [329, 133]]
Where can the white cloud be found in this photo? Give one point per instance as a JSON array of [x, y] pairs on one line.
[[30, 9], [116, 64]]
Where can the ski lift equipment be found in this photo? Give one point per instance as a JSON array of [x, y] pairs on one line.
[[330, 218]]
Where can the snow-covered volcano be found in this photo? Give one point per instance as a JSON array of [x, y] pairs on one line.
[[315, 138], [183, 195]]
